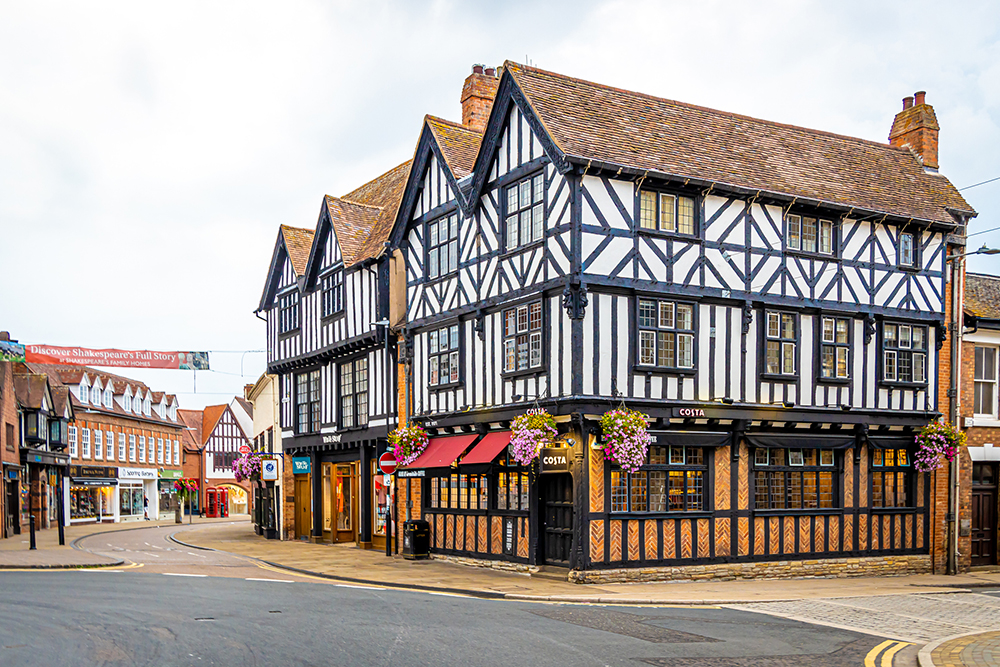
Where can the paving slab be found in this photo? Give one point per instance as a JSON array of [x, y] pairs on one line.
[[352, 564], [969, 650]]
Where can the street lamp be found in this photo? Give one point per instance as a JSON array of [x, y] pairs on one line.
[[982, 251]]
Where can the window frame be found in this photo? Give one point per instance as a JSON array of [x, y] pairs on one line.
[[658, 329], [84, 443], [332, 293], [782, 341], [504, 190], [898, 350], [358, 420], [313, 393], [797, 220], [914, 263], [910, 480], [659, 194], [977, 381], [835, 345], [645, 471], [98, 444], [451, 353], [835, 468], [541, 331], [452, 218], [289, 313], [461, 502]]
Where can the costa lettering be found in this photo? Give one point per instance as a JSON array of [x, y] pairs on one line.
[[690, 412]]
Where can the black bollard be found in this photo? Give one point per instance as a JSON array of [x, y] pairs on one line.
[[32, 531], [388, 531]]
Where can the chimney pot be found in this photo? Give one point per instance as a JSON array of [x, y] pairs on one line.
[[491, 71], [918, 97], [477, 69], [916, 128], [477, 97], [907, 102]]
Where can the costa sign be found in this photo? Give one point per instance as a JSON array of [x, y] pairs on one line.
[[555, 459], [689, 412]]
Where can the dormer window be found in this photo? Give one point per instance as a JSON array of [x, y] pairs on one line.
[[84, 392], [108, 398], [146, 407], [95, 394], [137, 404], [809, 234], [126, 403]]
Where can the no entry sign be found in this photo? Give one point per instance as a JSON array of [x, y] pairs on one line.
[[244, 449], [387, 463]]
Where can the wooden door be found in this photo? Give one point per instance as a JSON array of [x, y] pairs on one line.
[[984, 514], [557, 518], [303, 507], [345, 509]]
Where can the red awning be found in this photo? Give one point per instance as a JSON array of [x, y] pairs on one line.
[[442, 452], [488, 448]]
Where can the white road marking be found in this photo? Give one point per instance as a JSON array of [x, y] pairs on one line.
[[280, 581], [364, 588], [182, 574]]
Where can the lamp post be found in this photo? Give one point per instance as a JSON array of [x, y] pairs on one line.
[[954, 326]]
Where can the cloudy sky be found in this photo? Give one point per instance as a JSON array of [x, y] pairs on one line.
[[149, 151]]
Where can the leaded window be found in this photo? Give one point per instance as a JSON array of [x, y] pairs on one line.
[[459, 492], [666, 213], [809, 234], [781, 342], [307, 401], [666, 334], [835, 354], [907, 250], [794, 478], [673, 480], [891, 478], [443, 359], [904, 353], [985, 394], [525, 221], [333, 293], [442, 246], [288, 312], [522, 344], [354, 393]]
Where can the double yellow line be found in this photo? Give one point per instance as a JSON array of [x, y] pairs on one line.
[[888, 649]]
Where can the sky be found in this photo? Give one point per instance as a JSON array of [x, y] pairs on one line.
[[149, 151]]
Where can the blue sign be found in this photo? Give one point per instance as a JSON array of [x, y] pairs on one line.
[[301, 465]]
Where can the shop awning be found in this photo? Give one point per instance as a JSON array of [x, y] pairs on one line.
[[691, 438], [892, 441], [488, 448], [442, 452], [807, 440]]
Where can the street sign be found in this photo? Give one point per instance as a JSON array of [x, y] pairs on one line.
[[387, 463], [301, 465], [269, 470], [244, 449]]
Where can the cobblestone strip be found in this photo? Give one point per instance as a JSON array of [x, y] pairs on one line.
[[971, 650]]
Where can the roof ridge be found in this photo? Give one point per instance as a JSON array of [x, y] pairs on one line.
[[451, 123], [982, 275], [354, 202], [299, 229], [699, 107]]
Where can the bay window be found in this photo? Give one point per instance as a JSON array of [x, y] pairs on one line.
[[794, 478]]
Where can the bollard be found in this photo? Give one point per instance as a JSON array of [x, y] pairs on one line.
[[388, 532], [32, 531]]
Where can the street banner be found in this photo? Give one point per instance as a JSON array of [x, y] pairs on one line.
[[11, 351], [82, 356]]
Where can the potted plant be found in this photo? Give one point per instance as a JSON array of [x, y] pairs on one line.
[[625, 438], [936, 443], [186, 488], [408, 442], [529, 433]]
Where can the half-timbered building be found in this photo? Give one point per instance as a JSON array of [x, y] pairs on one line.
[[326, 303], [772, 297]]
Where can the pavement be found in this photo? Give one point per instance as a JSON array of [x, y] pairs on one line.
[[15, 552], [954, 619]]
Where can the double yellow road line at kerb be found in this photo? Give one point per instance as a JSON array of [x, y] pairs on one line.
[[887, 649]]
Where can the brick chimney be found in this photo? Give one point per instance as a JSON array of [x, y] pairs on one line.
[[916, 127], [477, 97]]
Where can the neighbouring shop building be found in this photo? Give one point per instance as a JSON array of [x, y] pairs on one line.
[[212, 440], [266, 439], [121, 439], [10, 444], [783, 329]]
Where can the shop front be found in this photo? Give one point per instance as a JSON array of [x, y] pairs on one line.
[[137, 493], [40, 484], [168, 499], [92, 494], [11, 499]]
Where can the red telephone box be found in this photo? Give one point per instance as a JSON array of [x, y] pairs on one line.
[[224, 502], [212, 505]]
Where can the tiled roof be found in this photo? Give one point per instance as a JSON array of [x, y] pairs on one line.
[[385, 192], [352, 222], [459, 144], [29, 389], [212, 415], [589, 121], [298, 241], [982, 296], [192, 419], [60, 395], [247, 405]]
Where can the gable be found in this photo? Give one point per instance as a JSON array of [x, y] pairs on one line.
[[283, 272]]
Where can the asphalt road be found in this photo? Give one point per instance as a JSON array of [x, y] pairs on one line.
[[179, 606]]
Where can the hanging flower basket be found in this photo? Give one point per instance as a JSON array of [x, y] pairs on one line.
[[625, 438], [529, 433], [247, 467], [408, 442], [186, 487], [936, 443]]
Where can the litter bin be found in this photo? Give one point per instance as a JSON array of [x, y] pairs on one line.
[[416, 539]]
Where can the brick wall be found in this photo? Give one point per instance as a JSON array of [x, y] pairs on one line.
[[287, 500], [10, 434]]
